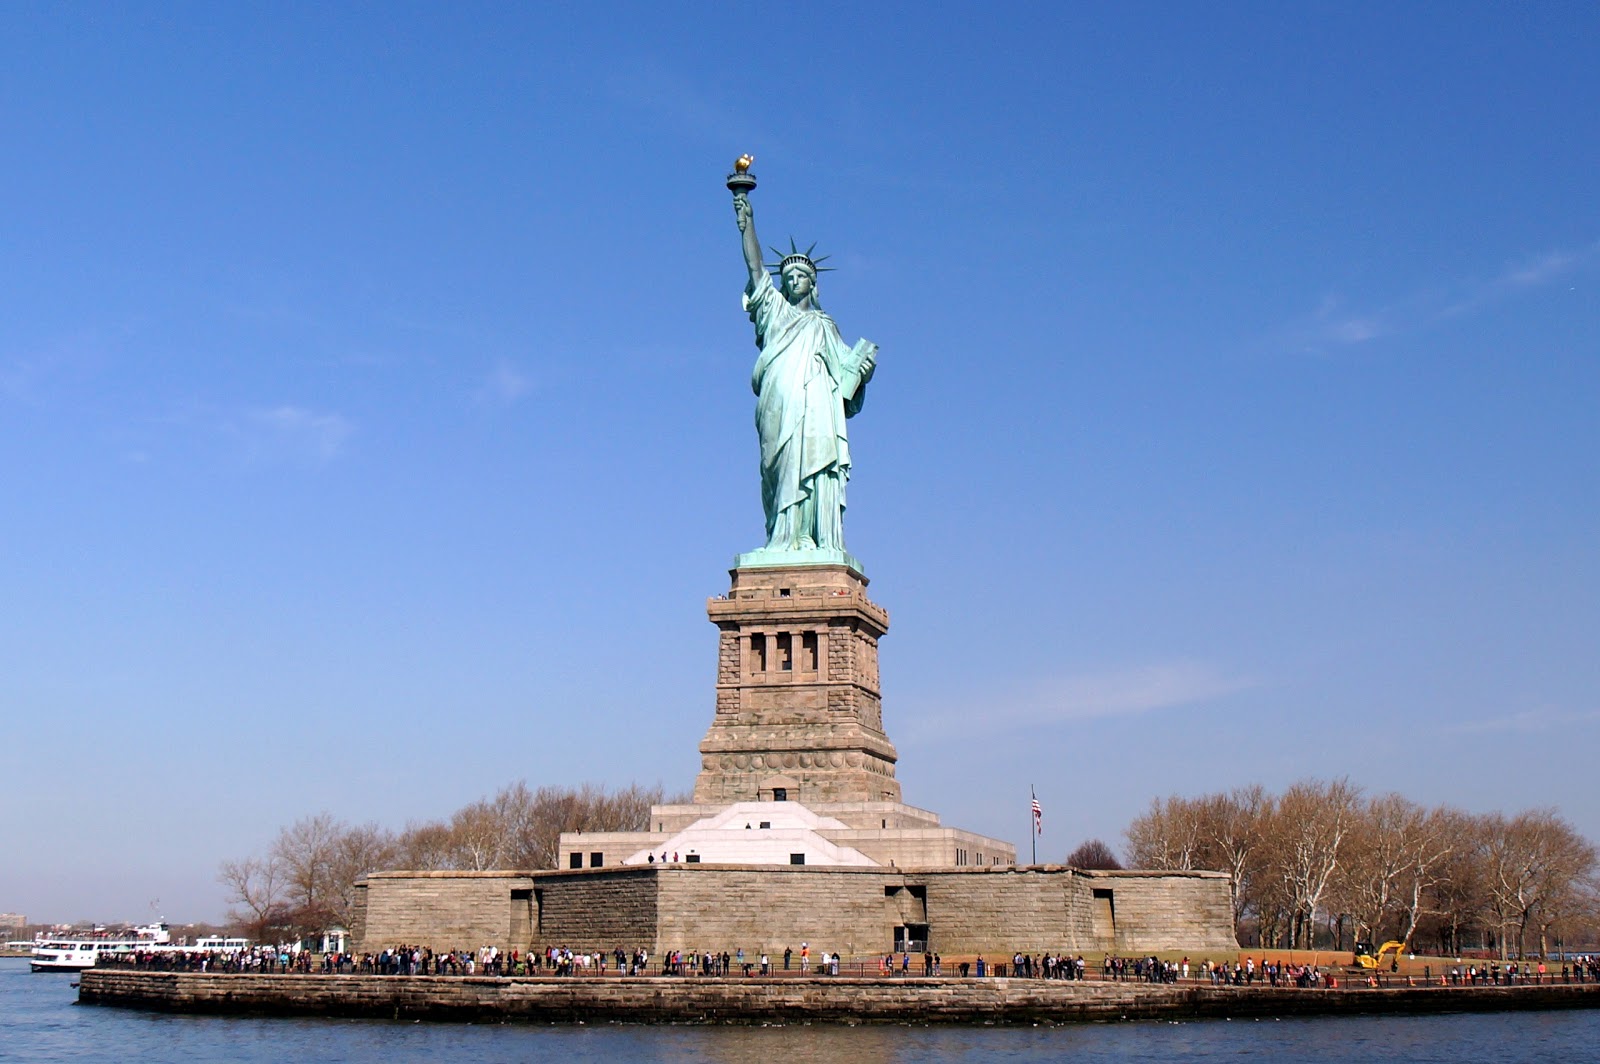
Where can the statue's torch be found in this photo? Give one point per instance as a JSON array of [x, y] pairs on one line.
[[742, 180]]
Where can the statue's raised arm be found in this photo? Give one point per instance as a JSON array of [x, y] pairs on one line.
[[747, 230], [741, 181]]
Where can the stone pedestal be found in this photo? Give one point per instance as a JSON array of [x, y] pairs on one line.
[[799, 709]]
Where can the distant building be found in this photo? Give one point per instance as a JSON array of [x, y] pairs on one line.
[[335, 939], [13, 921]]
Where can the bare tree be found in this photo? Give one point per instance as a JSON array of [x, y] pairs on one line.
[[1377, 858], [1168, 837], [1319, 851], [1218, 832], [521, 828], [1308, 831], [1093, 854], [425, 847], [356, 852], [1572, 914], [1534, 860], [1459, 890], [1232, 827], [478, 837], [1436, 836], [257, 889], [308, 850], [554, 810]]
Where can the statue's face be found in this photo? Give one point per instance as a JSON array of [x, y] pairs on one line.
[[797, 282]]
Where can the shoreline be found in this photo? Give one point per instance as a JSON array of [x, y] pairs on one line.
[[736, 1000]]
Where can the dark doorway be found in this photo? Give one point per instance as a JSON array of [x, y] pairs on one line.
[[911, 938], [1105, 914]]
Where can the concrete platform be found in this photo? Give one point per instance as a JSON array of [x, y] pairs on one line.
[[753, 1000]]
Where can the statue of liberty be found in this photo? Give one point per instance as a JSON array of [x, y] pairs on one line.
[[807, 382]]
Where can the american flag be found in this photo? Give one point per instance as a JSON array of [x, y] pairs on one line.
[[1038, 817]]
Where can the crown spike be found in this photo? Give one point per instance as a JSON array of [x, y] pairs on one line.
[[794, 254]]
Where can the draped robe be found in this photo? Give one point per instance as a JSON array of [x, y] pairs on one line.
[[807, 382]]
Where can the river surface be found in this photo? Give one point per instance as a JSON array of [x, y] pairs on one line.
[[40, 1022]]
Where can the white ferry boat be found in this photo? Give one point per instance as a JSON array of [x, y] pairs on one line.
[[76, 954]]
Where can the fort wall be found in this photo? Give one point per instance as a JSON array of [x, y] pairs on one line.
[[856, 911]]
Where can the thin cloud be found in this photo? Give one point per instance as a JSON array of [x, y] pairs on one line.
[[1546, 267], [504, 385], [1525, 722], [1090, 696], [1358, 330], [1524, 275], [292, 433], [1334, 325], [254, 436], [54, 371]]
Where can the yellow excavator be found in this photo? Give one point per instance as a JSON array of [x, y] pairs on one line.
[[1368, 959]]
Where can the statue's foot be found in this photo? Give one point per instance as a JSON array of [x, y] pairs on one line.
[[806, 543]]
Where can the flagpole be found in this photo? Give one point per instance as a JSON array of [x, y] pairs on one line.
[[1033, 825]]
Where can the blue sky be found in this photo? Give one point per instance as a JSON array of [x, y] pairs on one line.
[[375, 417]]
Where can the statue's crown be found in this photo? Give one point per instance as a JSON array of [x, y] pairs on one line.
[[794, 255]]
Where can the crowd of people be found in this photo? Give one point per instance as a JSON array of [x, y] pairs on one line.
[[1584, 969], [1269, 972], [561, 961], [256, 960]]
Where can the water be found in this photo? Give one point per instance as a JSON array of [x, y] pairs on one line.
[[39, 1022]]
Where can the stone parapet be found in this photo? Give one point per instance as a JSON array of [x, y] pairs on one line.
[[464, 909], [817, 595], [993, 911]]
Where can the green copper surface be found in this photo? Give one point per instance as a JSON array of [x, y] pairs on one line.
[[764, 557], [807, 383]]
